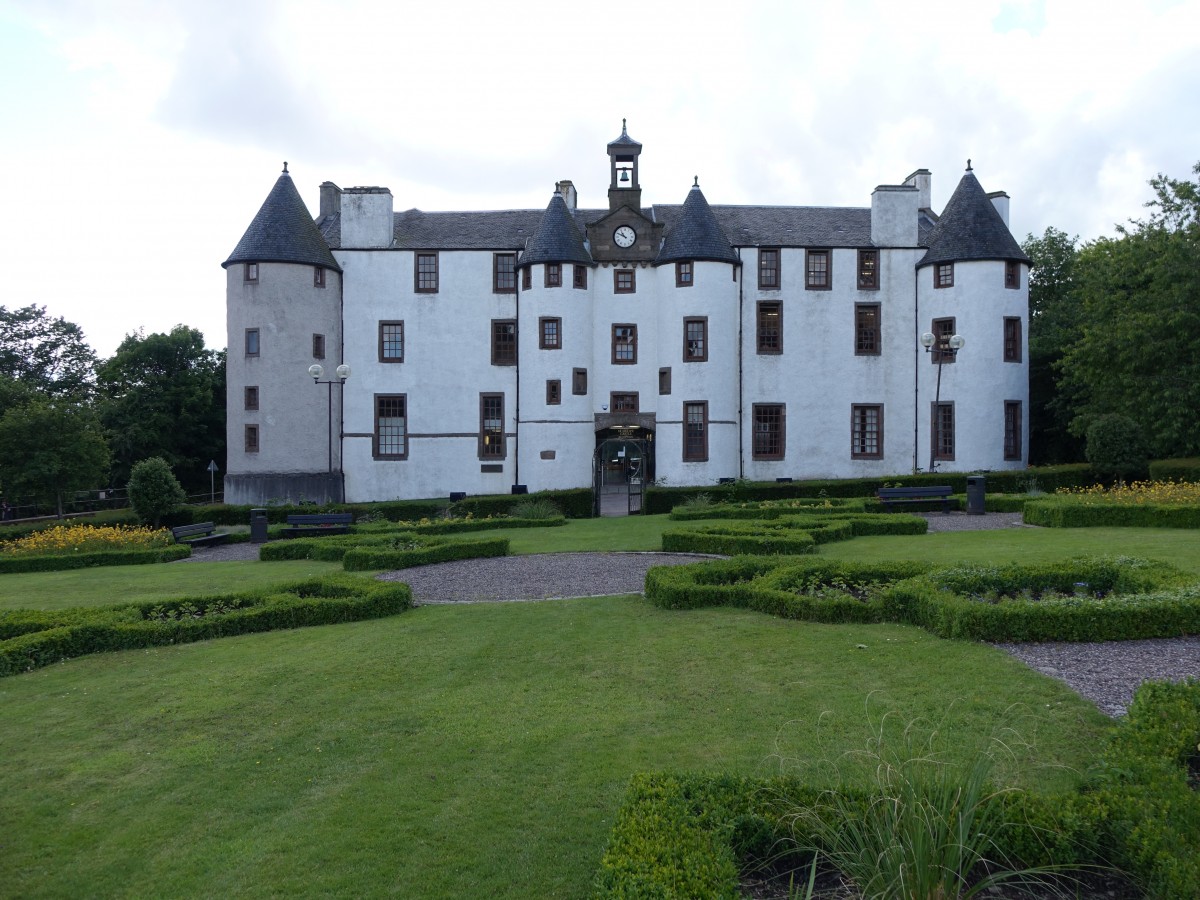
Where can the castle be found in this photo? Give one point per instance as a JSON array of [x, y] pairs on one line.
[[376, 354]]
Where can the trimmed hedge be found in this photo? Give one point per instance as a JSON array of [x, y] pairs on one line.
[[574, 503], [44, 637], [459, 526], [788, 535], [1187, 469], [679, 835], [767, 509], [394, 550], [60, 562], [1067, 512]]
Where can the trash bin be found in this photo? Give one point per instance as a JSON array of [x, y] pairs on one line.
[[258, 526], [976, 492]]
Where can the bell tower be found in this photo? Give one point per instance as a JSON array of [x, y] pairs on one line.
[[623, 186]]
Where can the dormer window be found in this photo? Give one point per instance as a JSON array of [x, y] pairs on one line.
[[251, 273]]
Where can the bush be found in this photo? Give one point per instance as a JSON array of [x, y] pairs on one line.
[[35, 638], [1116, 446], [63, 562], [366, 559], [1072, 512], [154, 492], [576, 503], [1176, 470]]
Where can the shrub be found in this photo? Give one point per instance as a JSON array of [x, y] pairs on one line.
[[1175, 469], [154, 492], [57, 563], [539, 509], [1116, 446]]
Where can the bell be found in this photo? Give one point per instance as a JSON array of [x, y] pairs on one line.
[[624, 175]]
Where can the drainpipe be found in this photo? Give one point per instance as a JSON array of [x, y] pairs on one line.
[[740, 386], [517, 373], [916, 366]]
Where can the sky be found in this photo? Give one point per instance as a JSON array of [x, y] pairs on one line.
[[139, 137]]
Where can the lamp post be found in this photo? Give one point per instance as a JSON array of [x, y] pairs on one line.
[[342, 372], [946, 346]]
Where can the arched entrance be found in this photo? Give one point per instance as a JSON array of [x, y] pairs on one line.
[[622, 466]]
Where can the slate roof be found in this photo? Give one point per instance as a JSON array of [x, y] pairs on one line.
[[558, 238], [695, 234], [970, 227], [624, 140], [283, 231]]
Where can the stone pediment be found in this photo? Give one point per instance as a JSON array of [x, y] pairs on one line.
[[604, 247]]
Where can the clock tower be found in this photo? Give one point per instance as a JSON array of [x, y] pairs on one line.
[[624, 233]]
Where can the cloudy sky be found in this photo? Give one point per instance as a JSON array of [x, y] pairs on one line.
[[139, 137]]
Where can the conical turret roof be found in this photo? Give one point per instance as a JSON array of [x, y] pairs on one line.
[[970, 228], [283, 231], [696, 234], [557, 238]]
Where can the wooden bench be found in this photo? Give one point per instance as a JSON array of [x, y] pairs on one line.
[[199, 535], [317, 524], [901, 495]]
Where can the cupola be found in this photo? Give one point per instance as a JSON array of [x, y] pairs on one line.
[[624, 189]]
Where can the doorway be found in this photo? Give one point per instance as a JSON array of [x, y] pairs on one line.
[[622, 466]]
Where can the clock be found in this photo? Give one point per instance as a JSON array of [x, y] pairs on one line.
[[625, 236]]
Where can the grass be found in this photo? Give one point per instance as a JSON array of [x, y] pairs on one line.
[[457, 751]]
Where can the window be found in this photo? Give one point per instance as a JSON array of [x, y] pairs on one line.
[[504, 342], [553, 392], [768, 431], [867, 333], [318, 276], [250, 273], [943, 329], [623, 403], [251, 397], [695, 431], [391, 426], [550, 334], [553, 274], [943, 275], [318, 346], [1012, 274], [504, 273], [1012, 339], [768, 268], [391, 342], [1012, 429], [426, 272], [527, 278], [491, 426], [251, 438], [579, 381], [866, 431], [624, 281], [816, 270], [580, 277], [624, 345], [664, 380], [943, 430], [252, 342], [683, 274], [868, 270], [769, 329], [695, 339]]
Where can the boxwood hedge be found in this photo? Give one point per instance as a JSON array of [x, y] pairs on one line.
[[392, 550], [1067, 512], [788, 534], [59, 562]]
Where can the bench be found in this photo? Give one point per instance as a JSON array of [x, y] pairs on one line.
[[317, 524], [199, 535], [889, 496]]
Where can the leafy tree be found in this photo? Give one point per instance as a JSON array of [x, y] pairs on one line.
[[1138, 353], [49, 449], [154, 491], [47, 356], [1053, 327], [164, 395], [1115, 446]]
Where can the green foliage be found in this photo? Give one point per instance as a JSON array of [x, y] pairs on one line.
[[154, 491], [789, 535], [59, 563], [36, 638], [390, 550], [1069, 512], [1175, 469], [48, 449], [1116, 448], [538, 509], [164, 395], [575, 503], [42, 357]]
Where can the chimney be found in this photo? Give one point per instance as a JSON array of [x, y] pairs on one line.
[[567, 189], [367, 218], [1000, 201], [894, 215], [922, 180], [331, 199]]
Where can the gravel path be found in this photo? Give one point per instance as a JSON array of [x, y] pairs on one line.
[[1105, 673]]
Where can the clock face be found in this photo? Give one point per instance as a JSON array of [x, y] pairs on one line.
[[624, 236]]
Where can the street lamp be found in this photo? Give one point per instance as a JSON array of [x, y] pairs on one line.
[[946, 346], [342, 372]]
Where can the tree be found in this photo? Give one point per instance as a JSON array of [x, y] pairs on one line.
[[154, 491], [1138, 353], [47, 356], [1053, 327], [1115, 447], [49, 449], [164, 395]]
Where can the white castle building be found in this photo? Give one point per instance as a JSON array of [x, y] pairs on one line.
[[685, 343]]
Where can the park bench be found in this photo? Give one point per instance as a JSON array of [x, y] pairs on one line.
[[317, 524], [901, 495], [198, 535]]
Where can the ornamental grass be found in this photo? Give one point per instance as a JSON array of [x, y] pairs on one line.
[[64, 539]]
